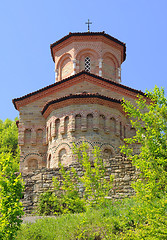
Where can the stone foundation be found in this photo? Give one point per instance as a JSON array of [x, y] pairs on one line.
[[41, 180]]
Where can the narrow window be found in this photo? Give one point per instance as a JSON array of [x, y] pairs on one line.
[[78, 122], [102, 121], [113, 125], [66, 123], [39, 136], [90, 121], [57, 126], [87, 64], [27, 136]]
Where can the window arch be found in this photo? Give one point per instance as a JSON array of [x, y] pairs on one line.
[[78, 122], [102, 121], [39, 136], [107, 153], [90, 121], [49, 160], [113, 125], [57, 126], [87, 64], [27, 136], [63, 156], [66, 124], [32, 165]]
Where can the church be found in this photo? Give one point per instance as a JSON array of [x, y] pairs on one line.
[[84, 103]]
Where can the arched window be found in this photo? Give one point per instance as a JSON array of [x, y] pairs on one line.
[[107, 153], [49, 160], [39, 136], [113, 125], [66, 122], [32, 165], [78, 122], [63, 156], [90, 121], [102, 121], [27, 136], [57, 125], [87, 64]]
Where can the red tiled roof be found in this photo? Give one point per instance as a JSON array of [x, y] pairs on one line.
[[89, 34], [80, 95], [74, 76]]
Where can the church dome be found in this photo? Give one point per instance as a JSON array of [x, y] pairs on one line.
[[95, 52]]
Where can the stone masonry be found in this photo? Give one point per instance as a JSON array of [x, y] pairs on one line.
[[84, 104], [41, 180]]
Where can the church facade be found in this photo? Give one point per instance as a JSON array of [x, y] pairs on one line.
[[84, 103]]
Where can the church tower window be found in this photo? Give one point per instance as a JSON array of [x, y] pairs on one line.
[[87, 64]]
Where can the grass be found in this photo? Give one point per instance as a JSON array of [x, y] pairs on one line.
[[102, 223], [115, 221]]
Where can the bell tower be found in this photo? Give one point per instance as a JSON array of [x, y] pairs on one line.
[[94, 52]]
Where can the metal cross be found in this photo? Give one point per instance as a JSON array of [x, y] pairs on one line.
[[88, 24]]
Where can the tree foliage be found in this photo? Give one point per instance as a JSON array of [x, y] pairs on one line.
[[67, 196], [9, 139], [149, 118], [11, 185]]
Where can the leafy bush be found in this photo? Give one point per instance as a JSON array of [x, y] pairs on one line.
[[11, 187], [66, 197], [9, 138], [50, 204], [149, 118], [96, 187]]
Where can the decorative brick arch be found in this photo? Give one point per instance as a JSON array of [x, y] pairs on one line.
[[90, 148], [111, 56], [64, 66], [111, 151], [32, 162], [110, 66], [54, 152], [93, 55]]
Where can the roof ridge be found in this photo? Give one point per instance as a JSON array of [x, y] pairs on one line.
[[79, 95], [71, 77], [88, 34]]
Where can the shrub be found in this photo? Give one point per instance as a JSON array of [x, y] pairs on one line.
[[66, 197], [11, 187]]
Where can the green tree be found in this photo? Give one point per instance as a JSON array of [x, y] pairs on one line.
[[11, 185], [11, 188], [9, 138], [96, 186], [67, 196], [149, 117]]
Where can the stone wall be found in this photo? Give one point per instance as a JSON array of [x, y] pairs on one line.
[[41, 180]]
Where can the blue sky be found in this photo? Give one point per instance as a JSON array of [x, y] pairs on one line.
[[27, 29]]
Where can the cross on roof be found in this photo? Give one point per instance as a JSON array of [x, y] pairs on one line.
[[88, 24]]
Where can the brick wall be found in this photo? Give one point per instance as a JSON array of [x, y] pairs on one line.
[[41, 180]]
